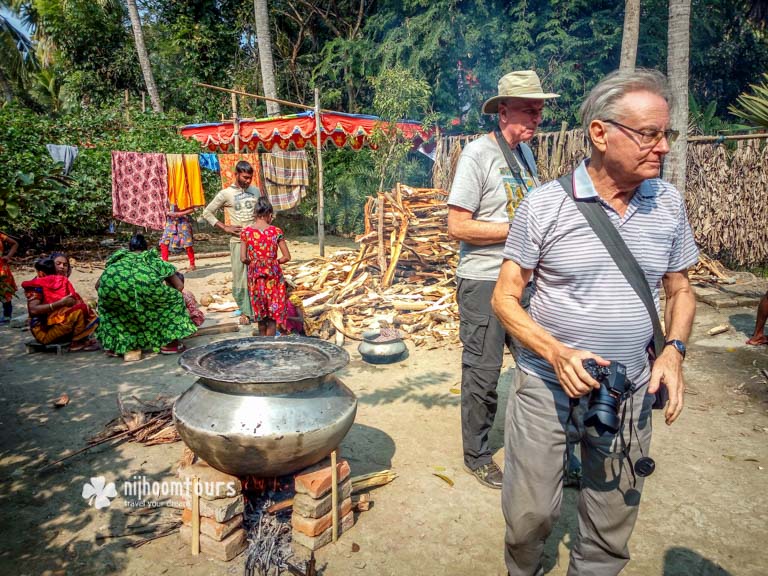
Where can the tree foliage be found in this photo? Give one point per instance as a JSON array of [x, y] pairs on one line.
[[79, 60]]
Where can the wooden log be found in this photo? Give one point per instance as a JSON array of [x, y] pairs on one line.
[[405, 305], [199, 256], [356, 264], [396, 251], [380, 234]]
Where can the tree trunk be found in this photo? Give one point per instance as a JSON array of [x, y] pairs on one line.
[[265, 55], [630, 34], [141, 50], [5, 87], [677, 69]]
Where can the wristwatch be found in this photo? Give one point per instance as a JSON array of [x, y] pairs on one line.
[[678, 344]]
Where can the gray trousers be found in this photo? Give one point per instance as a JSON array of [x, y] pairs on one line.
[[484, 339], [537, 423], [239, 279]]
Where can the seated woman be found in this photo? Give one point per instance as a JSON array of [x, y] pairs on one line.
[[140, 302], [63, 265], [57, 313]]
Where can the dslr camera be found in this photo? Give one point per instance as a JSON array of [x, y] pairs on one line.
[[604, 402]]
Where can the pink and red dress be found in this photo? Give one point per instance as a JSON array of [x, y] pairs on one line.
[[266, 286]]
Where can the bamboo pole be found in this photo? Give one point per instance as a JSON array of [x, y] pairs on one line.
[[235, 124], [721, 138], [241, 93], [195, 517], [334, 495], [320, 201]]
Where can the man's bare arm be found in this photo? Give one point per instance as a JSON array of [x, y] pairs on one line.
[[678, 317], [567, 362], [461, 226]]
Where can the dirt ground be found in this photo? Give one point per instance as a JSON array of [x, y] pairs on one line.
[[704, 511]]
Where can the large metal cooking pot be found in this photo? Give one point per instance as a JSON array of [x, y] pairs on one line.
[[266, 406]]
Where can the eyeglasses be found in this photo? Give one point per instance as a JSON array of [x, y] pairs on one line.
[[649, 137]]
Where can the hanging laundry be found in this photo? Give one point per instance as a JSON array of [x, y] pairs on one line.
[[185, 185], [227, 168], [286, 177], [209, 162], [64, 154], [140, 189]]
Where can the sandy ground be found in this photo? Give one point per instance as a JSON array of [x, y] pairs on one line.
[[703, 511]]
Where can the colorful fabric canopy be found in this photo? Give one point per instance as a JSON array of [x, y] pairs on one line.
[[299, 129]]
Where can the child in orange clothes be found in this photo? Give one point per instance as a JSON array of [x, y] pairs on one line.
[[266, 285], [7, 282]]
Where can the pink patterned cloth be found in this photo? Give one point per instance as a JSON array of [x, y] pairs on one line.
[[140, 189]]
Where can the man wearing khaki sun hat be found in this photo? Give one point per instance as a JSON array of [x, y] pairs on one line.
[[493, 175]]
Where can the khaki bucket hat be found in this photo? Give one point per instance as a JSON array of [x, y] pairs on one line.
[[520, 84]]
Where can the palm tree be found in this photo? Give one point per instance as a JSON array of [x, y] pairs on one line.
[[141, 50], [629, 37], [678, 58], [261, 13], [17, 56]]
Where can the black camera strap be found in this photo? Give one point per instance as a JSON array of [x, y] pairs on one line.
[[513, 162], [603, 228]]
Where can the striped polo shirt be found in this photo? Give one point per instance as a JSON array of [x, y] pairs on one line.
[[580, 295]]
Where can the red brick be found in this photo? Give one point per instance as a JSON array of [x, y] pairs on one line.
[[209, 526], [316, 481], [314, 526], [310, 507], [315, 542], [223, 550], [220, 510], [213, 483]]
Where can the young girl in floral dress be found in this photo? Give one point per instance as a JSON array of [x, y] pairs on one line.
[[266, 285]]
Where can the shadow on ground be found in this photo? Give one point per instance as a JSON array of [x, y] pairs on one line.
[[54, 530]]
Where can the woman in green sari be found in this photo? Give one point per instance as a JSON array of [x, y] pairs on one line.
[[141, 306]]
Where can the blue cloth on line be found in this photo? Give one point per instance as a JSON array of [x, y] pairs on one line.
[[64, 154], [209, 162]]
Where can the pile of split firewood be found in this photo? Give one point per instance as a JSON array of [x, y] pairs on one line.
[[402, 276], [711, 270]]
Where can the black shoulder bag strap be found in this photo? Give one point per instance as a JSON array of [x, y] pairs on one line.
[[512, 162], [626, 262]]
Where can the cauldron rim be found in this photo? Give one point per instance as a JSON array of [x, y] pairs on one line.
[[335, 359]]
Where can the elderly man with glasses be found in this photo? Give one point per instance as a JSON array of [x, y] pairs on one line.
[[493, 175], [586, 306]]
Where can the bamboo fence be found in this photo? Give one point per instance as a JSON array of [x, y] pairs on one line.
[[726, 189]]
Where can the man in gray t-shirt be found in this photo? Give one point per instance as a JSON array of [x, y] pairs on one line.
[[493, 175]]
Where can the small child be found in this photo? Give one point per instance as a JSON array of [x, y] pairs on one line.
[[177, 234], [266, 285], [294, 316]]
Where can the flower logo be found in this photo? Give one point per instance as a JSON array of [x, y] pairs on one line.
[[98, 492]]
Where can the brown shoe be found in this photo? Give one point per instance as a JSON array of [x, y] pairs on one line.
[[488, 475]]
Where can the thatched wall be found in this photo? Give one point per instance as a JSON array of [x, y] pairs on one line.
[[727, 188]]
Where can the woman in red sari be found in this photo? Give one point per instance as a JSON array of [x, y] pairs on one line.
[[57, 313]]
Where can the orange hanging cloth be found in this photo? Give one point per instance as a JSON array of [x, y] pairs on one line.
[[227, 164], [185, 185]]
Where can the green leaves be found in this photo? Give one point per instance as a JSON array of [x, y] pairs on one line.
[[753, 107]]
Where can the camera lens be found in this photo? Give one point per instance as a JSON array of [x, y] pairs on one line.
[[645, 466]]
